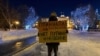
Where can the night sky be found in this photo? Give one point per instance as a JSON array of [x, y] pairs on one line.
[[45, 7]]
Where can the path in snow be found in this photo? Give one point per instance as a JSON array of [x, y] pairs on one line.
[[76, 46]]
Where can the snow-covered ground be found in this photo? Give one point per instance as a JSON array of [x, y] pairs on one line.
[[78, 44], [12, 35]]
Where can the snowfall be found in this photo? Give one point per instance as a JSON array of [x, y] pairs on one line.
[[78, 43]]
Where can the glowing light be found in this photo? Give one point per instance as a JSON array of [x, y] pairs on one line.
[[67, 17], [27, 27], [17, 22]]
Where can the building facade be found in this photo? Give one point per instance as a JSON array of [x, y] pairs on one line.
[[69, 23]]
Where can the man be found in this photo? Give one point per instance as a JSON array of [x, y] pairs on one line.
[[52, 46]]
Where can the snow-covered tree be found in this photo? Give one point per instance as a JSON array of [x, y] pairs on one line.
[[31, 19], [83, 17], [97, 14]]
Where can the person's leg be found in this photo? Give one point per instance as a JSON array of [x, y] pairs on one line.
[[55, 50], [49, 50]]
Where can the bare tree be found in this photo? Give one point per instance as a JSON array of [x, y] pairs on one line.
[[8, 14], [5, 12]]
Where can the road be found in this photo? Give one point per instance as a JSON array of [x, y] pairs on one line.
[[10, 48]]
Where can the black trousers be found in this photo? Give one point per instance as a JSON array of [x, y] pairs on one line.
[[52, 48]]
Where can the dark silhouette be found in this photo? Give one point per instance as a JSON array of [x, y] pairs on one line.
[[53, 46]]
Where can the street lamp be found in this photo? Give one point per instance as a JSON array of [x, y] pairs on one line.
[[17, 23]]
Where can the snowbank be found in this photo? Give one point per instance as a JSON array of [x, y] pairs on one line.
[[8, 36]]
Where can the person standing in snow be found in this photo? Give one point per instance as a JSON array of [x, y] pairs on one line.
[[52, 46]]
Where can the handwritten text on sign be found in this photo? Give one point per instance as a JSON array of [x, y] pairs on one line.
[[53, 31]]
